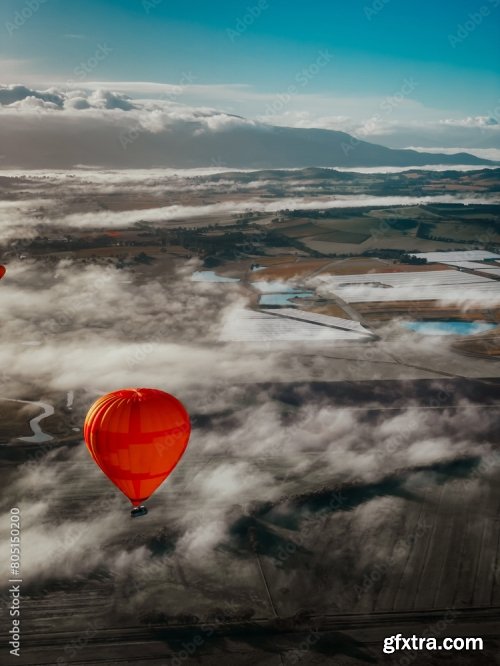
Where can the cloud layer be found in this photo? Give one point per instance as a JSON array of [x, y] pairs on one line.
[[250, 446], [60, 128]]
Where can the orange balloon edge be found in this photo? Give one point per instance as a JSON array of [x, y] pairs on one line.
[[174, 452]]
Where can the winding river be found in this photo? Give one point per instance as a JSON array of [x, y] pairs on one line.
[[38, 435]]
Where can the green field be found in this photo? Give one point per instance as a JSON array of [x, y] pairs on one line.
[[301, 230], [340, 236]]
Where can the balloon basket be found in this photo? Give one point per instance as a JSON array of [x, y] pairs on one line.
[[138, 511]]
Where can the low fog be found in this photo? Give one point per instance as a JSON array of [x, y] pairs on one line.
[[48, 200], [266, 466]]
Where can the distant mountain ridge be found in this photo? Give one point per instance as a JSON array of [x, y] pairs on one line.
[[329, 148], [63, 140]]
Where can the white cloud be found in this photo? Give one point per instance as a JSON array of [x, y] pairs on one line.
[[59, 127], [486, 153], [472, 121], [253, 461], [20, 218], [53, 99], [407, 124]]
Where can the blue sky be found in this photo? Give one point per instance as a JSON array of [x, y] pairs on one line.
[[448, 48]]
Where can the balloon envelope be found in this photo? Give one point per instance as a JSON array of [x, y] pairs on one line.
[[3, 270], [137, 436]]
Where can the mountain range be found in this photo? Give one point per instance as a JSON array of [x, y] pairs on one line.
[[57, 129]]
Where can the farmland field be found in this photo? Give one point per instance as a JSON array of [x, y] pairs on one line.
[[339, 236], [340, 478]]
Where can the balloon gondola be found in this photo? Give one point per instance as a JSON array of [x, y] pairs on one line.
[[138, 511], [137, 436]]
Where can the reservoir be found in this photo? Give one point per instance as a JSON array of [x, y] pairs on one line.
[[448, 327], [283, 298]]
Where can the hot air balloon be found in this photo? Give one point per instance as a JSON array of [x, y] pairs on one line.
[[3, 270], [137, 436]]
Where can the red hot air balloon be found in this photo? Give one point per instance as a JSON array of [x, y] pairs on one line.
[[137, 436], [3, 270]]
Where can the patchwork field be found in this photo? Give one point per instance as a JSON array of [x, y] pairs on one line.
[[484, 344], [425, 310], [342, 480], [445, 285], [339, 236]]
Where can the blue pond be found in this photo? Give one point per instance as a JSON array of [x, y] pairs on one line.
[[283, 299], [448, 327]]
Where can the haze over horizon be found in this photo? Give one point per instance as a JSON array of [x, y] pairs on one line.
[[362, 69]]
